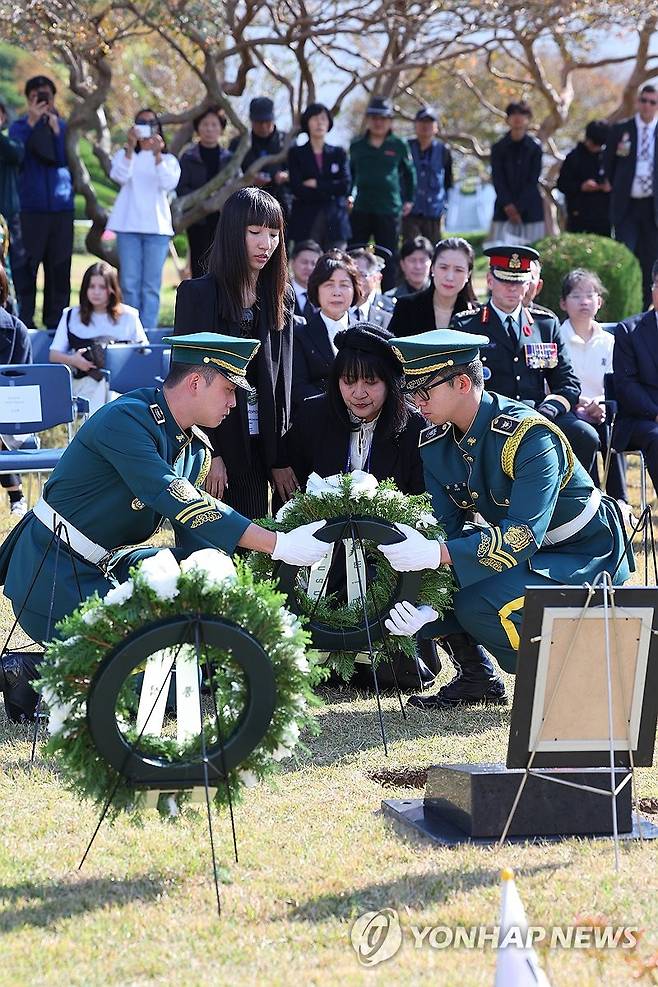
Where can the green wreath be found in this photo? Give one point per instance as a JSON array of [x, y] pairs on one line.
[[360, 495], [158, 590]]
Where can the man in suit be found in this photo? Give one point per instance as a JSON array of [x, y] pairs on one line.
[[632, 166], [415, 266], [303, 259], [526, 358], [266, 139], [375, 307], [635, 367]]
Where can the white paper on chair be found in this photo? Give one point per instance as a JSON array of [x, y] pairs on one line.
[[20, 404]]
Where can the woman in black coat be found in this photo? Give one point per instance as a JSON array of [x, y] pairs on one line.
[[333, 288], [364, 422], [451, 291], [320, 182], [246, 293]]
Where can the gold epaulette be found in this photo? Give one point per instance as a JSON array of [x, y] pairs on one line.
[[517, 433]]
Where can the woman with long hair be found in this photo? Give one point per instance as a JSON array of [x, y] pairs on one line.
[[141, 217], [364, 422], [246, 293], [99, 319], [451, 291]]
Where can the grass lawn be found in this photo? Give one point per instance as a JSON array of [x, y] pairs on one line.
[[315, 853]]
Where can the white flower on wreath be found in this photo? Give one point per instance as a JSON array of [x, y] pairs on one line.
[[248, 778], [161, 572], [363, 484], [70, 641], [391, 495], [283, 510], [58, 712], [216, 566], [289, 738], [92, 615], [426, 520], [120, 593], [290, 623], [300, 661]]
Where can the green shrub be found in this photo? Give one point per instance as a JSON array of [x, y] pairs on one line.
[[612, 261]]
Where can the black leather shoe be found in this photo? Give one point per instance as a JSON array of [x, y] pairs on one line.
[[410, 674], [475, 682], [493, 695], [17, 669]]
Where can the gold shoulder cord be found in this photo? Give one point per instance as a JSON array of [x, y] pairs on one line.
[[512, 444]]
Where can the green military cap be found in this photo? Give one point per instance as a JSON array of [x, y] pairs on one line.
[[425, 355], [227, 354]]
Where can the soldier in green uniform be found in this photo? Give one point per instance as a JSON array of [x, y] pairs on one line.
[[545, 522], [138, 460], [526, 358]]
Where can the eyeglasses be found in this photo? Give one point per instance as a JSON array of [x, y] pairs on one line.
[[651, 102], [423, 393]]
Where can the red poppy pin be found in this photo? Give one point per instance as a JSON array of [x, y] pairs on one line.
[[527, 331]]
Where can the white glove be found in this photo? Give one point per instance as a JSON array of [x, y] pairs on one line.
[[405, 619], [417, 552], [299, 547]]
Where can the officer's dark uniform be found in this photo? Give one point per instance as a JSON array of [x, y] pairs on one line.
[[129, 466], [530, 362]]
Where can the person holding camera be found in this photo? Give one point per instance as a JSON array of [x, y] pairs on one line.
[[45, 189], [86, 329], [141, 217]]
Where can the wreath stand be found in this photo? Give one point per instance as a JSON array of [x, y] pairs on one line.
[[158, 776], [353, 531]]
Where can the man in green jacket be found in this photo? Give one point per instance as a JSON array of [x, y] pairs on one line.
[[384, 181]]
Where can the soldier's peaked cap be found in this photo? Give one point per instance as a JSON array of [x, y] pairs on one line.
[[228, 355]]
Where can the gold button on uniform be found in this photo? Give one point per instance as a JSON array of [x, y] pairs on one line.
[[475, 495]]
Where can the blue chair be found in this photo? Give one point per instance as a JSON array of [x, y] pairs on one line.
[[41, 340], [43, 394], [132, 366], [157, 335]]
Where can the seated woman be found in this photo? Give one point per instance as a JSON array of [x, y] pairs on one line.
[[334, 288], [450, 291], [364, 422], [99, 319]]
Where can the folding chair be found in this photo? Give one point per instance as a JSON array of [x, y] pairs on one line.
[[134, 366], [611, 406], [41, 340], [35, 397], [157, 335]]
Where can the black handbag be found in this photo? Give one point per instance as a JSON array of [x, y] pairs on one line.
[[92, 350]]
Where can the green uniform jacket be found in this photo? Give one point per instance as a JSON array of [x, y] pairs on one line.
[[384, 177], [517, 471], [128, 467]]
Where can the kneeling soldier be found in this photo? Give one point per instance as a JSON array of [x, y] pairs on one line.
[[547, 524]]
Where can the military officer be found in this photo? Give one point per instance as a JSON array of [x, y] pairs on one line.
[[546, 523], [526, 358], [138, 460]]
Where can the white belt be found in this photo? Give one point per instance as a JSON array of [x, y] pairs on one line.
[[81, 545], [570, 528]]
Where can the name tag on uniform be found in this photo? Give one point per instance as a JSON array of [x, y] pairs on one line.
[[541, 356]]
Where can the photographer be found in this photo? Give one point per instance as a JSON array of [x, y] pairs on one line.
[[45, 190], [141, 217], [86, 329]]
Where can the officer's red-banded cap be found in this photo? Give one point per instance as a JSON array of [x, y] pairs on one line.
[[511, 263]]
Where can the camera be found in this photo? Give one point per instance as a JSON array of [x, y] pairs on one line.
[[43, 95], [144, 131]]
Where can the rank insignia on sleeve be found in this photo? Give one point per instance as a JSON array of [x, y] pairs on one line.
[[505, 424], [433, 432], [158, 414]]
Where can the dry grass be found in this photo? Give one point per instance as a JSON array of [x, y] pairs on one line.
[[315, 852]]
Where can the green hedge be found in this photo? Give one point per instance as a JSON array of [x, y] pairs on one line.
[[613, 262]]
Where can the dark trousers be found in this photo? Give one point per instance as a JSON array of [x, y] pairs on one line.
[[582, 437], [247, 492], [639, 232], [385, 231], [47, 240], [616, 483], [413, 226], [200, 237], [645, 438]]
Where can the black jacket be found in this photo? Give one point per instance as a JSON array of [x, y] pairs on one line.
[[587, 212], [193, 175], [330, 197], [414, 313], [621, 156], [312, 359], [515, 171], [262, 147], [318, 442], [15, 345], [635, 367], [197, 310], [509, 373]]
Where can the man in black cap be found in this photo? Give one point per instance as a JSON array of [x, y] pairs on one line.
[[384, 180], [527, 358], [583, 181], [433, 162], [266, 140]]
